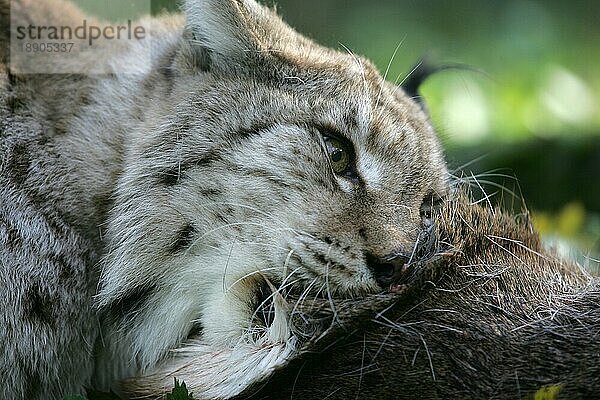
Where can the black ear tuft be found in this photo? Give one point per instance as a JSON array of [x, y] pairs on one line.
[[423, 70], [417, 75]]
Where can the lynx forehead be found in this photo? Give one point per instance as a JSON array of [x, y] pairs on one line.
[[248, 160]]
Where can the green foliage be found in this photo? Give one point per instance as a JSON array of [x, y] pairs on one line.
[[548, 392], [179, 392]]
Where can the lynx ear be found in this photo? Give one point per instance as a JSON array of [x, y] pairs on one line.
[[422, 71], [230, 29]]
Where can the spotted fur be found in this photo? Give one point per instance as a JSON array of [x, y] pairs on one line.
[[179, 190]]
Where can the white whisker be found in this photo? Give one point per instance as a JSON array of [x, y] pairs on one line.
[[387, 70]]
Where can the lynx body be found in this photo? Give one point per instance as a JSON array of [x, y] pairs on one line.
[[141, 213]]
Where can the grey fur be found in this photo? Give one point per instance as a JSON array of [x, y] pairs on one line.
[[47, 323]]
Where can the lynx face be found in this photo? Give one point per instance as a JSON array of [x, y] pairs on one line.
[[318, 182], [323, 184], [261, 155]]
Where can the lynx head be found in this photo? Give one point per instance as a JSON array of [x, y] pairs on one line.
[[263, 154]]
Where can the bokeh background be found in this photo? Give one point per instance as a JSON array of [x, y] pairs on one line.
[[525, 117]]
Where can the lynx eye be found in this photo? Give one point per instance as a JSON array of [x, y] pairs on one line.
[[340, 155]]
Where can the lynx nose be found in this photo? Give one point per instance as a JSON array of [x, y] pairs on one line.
[[401, 266], [387, 270]]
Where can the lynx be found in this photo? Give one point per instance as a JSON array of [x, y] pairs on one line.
[[145, 217]]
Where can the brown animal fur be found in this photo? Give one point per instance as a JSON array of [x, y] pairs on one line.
[[495, 317]]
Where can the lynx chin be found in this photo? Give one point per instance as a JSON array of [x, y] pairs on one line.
[[151, 223]]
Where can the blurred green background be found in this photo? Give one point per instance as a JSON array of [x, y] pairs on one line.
[[529, 121]]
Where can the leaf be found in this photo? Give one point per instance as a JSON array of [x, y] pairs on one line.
[[74, 397], [179, 392], [548, 392]]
